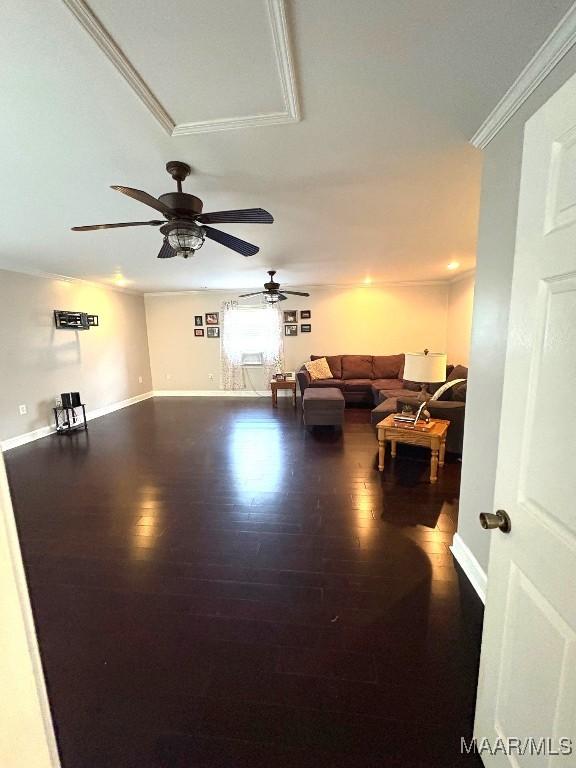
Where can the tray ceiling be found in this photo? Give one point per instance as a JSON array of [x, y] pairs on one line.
[[376, 180]]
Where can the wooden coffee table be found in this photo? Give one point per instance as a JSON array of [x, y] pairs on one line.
[[433, 438]]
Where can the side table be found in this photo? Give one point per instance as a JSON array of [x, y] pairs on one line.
[[67, 420], [276, 385], [433, 437]]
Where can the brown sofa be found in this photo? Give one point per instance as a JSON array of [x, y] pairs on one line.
[[360, 378]]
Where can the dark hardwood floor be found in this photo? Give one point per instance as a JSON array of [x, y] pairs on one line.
[[214, 586]]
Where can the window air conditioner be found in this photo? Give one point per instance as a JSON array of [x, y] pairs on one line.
[[252, 358]]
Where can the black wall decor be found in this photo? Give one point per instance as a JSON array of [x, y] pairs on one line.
[[78, 321]]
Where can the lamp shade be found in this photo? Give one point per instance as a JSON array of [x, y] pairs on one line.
[[427, 368]]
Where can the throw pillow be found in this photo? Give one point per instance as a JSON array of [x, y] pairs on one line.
[[319, 369], [444, 388], [335, 363]]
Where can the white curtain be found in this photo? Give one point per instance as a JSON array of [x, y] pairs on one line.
[[249, 330], [231, 372], [273, 352]]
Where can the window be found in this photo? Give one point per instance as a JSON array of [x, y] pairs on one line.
[[248, 332], [250, 336]]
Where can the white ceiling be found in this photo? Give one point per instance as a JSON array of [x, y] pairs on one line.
[[377, 179]]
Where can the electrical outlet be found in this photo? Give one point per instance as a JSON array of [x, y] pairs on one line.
[[211, 376], [22, 410], [168, 376], [139, 379]]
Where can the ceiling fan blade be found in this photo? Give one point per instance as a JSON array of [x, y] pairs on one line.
[[257, 293], [281, 297], [296, 293], [144, 197], [246, 215], [120, 224], [240, 246], [166, 252]]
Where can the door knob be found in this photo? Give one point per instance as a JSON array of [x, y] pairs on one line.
[[499, 520]]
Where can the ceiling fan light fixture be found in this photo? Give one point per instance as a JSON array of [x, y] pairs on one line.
[[184, 237], [271, 298]]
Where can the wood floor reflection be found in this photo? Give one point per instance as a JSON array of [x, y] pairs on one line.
[[213, 586]]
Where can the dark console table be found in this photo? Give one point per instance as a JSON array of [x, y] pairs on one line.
[[67, 420]]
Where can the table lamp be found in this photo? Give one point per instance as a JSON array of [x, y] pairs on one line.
[[425, 368]]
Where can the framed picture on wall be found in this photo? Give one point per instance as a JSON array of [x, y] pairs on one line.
[[291, 330], [198, 331], [213, 333], [198, 320], [305, 314], [306, 328], [212, 318], [290, 316]]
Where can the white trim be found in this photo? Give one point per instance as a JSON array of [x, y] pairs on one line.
[[212, 393], [46, 753], [462, 276], [554, 48], [316, 286], [471, 567], [98, 32], [36, 434], [282, 50], [8, 266]]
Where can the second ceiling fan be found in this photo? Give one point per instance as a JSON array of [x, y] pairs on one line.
[[272, 293]]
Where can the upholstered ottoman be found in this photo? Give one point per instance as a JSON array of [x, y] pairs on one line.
[[323, 406]]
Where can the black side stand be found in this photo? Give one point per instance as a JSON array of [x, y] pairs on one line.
[[67, 420]]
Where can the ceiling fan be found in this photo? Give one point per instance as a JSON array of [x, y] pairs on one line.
[[272, 292], [186, 226]]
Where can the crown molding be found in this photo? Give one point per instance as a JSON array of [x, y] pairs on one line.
[[98, 32], [282, 49], [30, 272], [554, 48], [462, 276], [318, 286]]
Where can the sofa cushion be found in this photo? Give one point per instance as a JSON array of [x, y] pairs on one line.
[[384, 394], [326, 395], [319, 369], [458, 372], [459, 392], [357, 366], [357, 385], [387, 366], [338, 383], [384, 384], [335, 363]]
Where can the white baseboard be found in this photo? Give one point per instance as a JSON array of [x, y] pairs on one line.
[[471, 567], [215, 393], [36, 434]]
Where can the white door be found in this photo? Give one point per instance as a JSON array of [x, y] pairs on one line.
[[527, 685]]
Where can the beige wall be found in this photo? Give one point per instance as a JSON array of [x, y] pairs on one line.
[[460, 302], [494, 265], [37, 362], [371, 320]]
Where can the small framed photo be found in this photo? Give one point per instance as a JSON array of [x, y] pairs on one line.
[[290, 317], [305, 314], [198, 331], [306, 328], [198, 320], [213, 333], [212, 318], [280, 377], [291, 329]]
